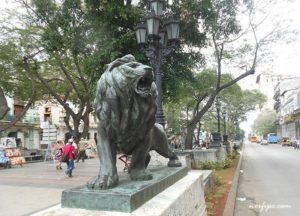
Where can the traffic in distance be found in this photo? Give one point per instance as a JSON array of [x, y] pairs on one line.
[[272, 138]]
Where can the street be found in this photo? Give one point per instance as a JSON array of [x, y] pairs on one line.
[[37, 186], [269, 181]]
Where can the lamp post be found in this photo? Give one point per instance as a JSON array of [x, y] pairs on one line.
[[216, 136], [224, 114], [218, 107], [226, 144], [157, 38]]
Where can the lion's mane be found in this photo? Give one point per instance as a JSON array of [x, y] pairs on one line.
[[126, 111]]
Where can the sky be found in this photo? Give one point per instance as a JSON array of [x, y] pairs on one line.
[[286, 55]]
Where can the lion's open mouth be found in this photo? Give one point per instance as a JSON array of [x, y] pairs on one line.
[[144, 84]]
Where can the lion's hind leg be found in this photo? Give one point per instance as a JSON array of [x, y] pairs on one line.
[[160, 145]]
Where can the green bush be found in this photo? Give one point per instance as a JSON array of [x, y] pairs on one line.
[[233, 155], [210, 165], [227, 163]]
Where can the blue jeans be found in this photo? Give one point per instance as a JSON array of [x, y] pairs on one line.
[[70, 167]]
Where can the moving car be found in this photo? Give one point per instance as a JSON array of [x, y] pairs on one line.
[[285, 141], [253, 139], [296, 144], [264, 142]]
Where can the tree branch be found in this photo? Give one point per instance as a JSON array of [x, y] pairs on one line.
[[29, 103], [54, 94], [67, 74], [3, 104]]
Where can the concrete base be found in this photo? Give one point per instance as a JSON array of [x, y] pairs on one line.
[[198, 156], [127, 196], [185, 197]]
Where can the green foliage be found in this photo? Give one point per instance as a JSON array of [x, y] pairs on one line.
[[217, 179], [236, 103], [265, 123], [227, 163], [233, 155]]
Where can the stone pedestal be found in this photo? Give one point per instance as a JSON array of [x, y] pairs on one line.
[[216, 144], [127, 196], [185, 197]]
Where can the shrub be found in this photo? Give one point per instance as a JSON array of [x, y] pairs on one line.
[[210, 165]]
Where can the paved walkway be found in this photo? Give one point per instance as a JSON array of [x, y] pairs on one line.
[[37, 186]]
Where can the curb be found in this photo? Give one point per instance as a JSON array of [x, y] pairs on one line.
[[230, 203]]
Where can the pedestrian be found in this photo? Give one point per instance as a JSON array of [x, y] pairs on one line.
[[75, 150], [81, 150], [58, 153], [69, 150]]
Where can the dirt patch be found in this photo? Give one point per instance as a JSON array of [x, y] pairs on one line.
[[217, 197]]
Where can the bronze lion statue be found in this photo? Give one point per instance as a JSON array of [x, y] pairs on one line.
[[125, 106]]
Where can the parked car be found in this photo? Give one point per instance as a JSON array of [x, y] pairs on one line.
[[296, 144], [285, 141], [264, 142]]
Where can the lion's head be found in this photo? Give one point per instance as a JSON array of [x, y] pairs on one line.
[[125, 97], [136, 74]]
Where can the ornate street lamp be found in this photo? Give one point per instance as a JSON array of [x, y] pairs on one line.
[[216, 136], [226, 143], [157, 37], [218, 107], [224, 115]]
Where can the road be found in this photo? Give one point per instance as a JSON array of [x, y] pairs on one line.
[[269, 181], [37, 186]]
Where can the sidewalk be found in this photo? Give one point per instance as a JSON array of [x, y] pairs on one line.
[[37, 186]]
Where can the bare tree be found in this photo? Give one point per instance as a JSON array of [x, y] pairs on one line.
[[223, 33]]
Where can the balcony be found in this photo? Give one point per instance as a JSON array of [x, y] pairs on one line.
[[288, 119], [8, 118], [277, 105], [30, 119]]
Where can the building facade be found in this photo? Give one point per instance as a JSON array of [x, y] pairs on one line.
[[27, 131], [287, 106], [42, 125]]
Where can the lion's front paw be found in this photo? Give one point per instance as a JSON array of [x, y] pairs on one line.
[[102, 182], [140, 175], [174, 163]]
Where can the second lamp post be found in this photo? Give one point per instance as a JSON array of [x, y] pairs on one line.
[[158, 37]]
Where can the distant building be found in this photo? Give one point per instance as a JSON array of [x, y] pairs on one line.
[[54, 113], [287, 106], [26, 132], [42, 125]]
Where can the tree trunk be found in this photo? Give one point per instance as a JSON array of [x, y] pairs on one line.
[[3, 105], [189, 137], [86, 123]]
